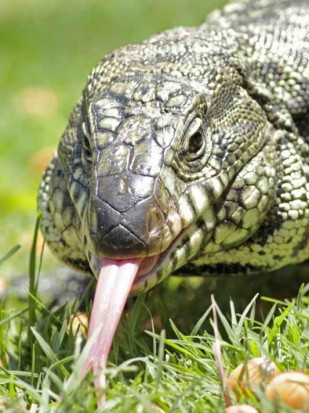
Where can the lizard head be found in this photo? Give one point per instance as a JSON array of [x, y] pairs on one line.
[[159, 157]]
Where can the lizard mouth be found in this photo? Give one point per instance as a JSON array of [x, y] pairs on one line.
[[148, 267], [146, 270], [145, 277], [147, 273]]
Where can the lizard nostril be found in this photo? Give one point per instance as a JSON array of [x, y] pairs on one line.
[[155, 220]]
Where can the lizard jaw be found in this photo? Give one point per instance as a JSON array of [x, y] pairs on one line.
[[145, 277], [148, 274]]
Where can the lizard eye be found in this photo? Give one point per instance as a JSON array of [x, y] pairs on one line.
[[87, 152], [195, 148], [195, 143]]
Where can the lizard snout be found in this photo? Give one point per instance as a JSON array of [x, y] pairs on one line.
[[128, 234]]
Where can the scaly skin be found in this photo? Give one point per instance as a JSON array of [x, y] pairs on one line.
[[192, 148]]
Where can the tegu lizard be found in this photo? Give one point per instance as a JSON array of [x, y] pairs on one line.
[[186, 153]]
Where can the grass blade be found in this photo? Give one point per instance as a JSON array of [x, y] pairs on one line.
[[9, 254]]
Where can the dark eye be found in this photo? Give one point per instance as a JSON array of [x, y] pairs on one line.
[[194, 148], [195, 143]]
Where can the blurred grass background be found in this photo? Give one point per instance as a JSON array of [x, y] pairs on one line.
[[47, 49]]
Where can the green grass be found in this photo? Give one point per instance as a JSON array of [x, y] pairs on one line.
[[149, 368]]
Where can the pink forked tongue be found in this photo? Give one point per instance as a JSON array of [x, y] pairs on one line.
[[114, 284]]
